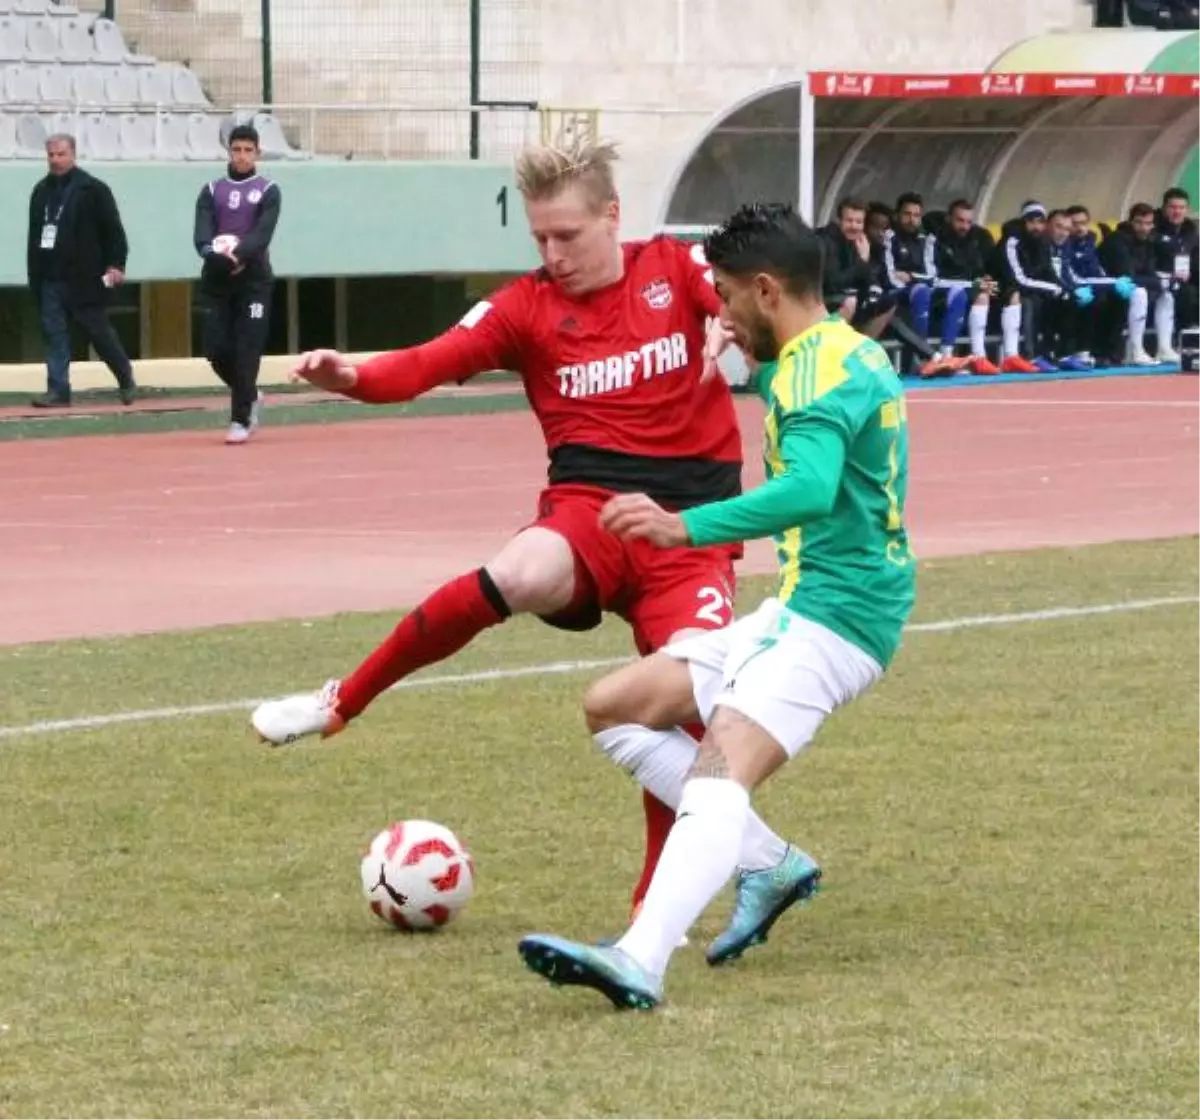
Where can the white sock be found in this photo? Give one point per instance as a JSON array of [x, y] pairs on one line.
[[1138, 304], [698, 860], [660, 760], [1010, 330], [977, 319], [1164, 320]]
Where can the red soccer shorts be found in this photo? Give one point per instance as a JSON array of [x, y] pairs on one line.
[[657, 591]]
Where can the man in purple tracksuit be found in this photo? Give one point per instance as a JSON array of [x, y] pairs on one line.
[[235, 221]]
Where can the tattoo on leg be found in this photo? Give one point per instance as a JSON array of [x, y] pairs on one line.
[[710, 762]]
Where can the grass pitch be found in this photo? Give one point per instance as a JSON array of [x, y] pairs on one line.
[[1008, 924]]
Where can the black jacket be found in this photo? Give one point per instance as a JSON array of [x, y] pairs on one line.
[[1172, 242], [1022, 261], [845, 271], [960, 258], [90, 239], [908, 252], [1122, 254]]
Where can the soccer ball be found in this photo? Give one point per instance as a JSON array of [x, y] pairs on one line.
[[226, 244], [417, 875]]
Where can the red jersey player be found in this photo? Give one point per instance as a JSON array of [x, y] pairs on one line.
[[612, 345]]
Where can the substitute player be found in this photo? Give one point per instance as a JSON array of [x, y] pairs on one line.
[[235, 221], [610, 342], [837, 466]]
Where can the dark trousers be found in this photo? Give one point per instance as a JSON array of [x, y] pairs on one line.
[[1052, 326], [57, 309], [236, 322]]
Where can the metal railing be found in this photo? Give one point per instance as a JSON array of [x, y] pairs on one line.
[[337, 55]]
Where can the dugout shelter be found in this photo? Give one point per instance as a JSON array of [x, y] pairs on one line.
[[1105, 137]]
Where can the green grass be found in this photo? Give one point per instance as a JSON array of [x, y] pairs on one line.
[[1008, 925]]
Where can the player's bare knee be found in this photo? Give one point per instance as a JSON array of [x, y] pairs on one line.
[[535, 572], [602, 705], [654, 692]]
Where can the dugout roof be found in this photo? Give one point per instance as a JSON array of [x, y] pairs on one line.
[[1031, 126]]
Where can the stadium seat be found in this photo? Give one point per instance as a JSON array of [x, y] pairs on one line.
[[121, 85], [21, 85], [137, 135], [111, 47], [8, 133], [63, 70], [41, 40], [155, 86], [204, 137], [172, 136], [75, 42], [271, 139], [12, 39], [100, 136], [87, 84], [185, 86], [54, 84], [31, 135]]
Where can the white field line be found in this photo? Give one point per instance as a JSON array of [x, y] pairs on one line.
[[555, 668]]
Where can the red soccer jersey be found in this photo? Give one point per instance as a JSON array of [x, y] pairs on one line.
[[613, 376]]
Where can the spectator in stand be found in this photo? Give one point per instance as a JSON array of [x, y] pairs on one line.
[[960, 252], [1083, 259], [1130, 252], [1027, 284], [1177, 239], [853, 268]]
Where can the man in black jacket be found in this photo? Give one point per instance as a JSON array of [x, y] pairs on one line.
[[854, 267], [75, 255], [1130, 252], [1028, 284], [1177, 236]]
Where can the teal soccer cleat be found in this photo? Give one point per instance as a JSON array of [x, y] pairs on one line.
[[762, 896], [608, 970]]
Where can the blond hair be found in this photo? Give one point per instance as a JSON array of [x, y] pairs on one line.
[[545, 169]]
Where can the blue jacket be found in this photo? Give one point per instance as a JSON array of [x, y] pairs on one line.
[[1084, 258]]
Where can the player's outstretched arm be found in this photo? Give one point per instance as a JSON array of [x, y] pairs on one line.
[[814, 452], [480, 343]]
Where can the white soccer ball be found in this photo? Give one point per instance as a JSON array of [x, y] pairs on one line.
[[225, 244], [417, 875]]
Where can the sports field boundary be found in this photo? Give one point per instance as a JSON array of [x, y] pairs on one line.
[[556, 668]]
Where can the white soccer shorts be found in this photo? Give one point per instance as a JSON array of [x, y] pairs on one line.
[[784, 672]]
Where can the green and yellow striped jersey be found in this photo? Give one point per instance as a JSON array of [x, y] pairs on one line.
[[836, 452]]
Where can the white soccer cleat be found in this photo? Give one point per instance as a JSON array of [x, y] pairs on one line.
[[238, 433], [296, 717]]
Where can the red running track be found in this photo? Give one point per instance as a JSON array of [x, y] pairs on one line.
[[108, 535]]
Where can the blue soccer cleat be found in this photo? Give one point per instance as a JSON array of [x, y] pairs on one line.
[[762, 897], [607, 969]]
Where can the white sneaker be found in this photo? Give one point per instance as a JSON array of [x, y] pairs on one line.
[[1167, 356], [296, 717], [256, 411], [238, 433], [1137, 356]]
